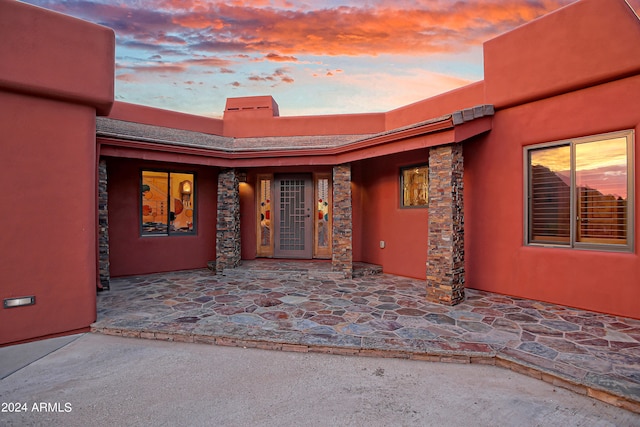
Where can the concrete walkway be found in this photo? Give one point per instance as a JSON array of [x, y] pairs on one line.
[[98, 380], [303, 307]]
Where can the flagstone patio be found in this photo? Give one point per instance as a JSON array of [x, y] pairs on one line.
[[303, 306]]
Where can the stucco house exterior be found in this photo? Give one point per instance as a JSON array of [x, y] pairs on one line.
[[522, 184]]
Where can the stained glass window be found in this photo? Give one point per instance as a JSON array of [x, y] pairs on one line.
[[415, 186]]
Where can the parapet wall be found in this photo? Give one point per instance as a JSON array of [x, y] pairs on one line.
[[51, 55]]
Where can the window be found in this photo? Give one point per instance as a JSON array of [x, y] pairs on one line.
[[414, 181], [168, 200], [580, 192]]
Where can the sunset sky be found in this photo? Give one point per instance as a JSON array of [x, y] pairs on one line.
[[313, 57]]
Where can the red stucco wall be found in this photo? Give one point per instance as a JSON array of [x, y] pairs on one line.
[[171, 119], [56, 56], [496, 258], [56, 74], [47, 170], [585, 43], [243, 125], [378, 216], [132, 254]]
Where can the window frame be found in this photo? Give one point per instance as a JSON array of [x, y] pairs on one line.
[[401, 192], [574, 243], [194, 205]]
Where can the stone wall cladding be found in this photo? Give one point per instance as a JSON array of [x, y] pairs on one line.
[[445, 261], [342, 248], [103, 226], [228, 223]]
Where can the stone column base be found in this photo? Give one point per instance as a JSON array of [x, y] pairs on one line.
[[342, 246], [228, 224]]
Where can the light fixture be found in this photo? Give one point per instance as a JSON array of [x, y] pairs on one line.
[[186, 187], [19, 302]]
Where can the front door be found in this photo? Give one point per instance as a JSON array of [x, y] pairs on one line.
[[293, 209]]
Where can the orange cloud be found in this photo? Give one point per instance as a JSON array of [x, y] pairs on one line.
[[280, 58], [347, 30], [283, 28]]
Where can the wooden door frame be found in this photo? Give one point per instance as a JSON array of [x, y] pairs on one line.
[[265, 222]]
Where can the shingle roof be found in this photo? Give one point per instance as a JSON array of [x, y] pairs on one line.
[[131, 131]]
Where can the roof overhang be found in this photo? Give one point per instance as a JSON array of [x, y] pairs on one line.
[[131, 141]]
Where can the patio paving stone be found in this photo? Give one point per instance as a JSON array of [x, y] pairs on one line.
[[303, 306]]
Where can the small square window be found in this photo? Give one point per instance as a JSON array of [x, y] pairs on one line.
[[414, 182]]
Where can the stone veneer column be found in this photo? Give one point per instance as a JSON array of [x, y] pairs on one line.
[[445, 261], [103, 226], [228, 223], [342, 246]]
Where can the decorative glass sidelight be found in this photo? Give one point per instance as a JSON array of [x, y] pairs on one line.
[[265, 229], [322, 227]]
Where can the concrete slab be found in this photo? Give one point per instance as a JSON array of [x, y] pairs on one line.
[[16, 357], [102, 380]]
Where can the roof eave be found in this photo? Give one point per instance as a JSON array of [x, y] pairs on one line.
[[454, 128]]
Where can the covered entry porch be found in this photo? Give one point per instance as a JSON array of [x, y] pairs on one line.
[[364, 209]]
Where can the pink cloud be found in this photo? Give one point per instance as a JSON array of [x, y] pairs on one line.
[[153, 68]]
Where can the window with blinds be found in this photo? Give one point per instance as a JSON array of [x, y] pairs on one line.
[[580, 192], [550, 195], [601, 176]]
